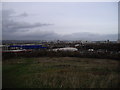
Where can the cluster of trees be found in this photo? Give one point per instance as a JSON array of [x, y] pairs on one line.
[[45, 53], [104, 46], [113, 52]]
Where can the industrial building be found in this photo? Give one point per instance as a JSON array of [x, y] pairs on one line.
[[65, 49], [21, 48]]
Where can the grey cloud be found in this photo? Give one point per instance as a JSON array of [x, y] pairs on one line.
[[90, 36], [11, 13], [14, 30], [44, 36], [7, 13], [22, 25], [23, 15], [55, 36], [10, 25], [33, 36]]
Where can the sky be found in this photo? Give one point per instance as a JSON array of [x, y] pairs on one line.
[[60, 20]]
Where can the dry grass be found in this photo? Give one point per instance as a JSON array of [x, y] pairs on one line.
[[62, 72]]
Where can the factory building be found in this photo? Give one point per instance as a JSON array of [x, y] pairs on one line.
[[65, 49]]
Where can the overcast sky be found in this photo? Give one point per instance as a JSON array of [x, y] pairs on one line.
[[69, 21]]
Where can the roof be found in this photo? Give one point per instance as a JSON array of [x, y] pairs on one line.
[[66, 49], [28, 46]]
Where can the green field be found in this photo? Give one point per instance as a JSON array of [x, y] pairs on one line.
[[60, 72]]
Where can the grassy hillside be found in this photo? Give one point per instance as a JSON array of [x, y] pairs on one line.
[[61, 72]]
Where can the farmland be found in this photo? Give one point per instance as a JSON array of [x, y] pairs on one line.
[[60, 72]]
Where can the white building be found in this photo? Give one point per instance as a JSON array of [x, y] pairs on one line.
[[91, 50], [65, 49]]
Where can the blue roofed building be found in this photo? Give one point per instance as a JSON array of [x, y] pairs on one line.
[[27, 47]]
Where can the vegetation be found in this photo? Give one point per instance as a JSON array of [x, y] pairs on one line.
[[45, 53], [60, 72]]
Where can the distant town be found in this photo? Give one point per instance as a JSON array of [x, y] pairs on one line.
[[108, 49]]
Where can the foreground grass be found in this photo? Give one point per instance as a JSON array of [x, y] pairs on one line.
[[62, 72]]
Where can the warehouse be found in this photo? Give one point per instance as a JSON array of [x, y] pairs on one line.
[[26, 47], [65, 49]]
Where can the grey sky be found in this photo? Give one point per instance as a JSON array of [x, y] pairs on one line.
[[60, 20]]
